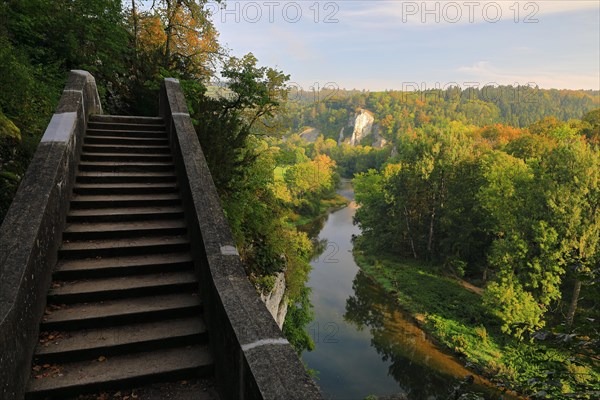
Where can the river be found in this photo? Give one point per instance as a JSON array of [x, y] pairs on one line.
[[365, 344]]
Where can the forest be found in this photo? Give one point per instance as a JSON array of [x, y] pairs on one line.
[[496, 188]]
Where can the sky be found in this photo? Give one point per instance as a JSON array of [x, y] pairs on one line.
[[407, 45]]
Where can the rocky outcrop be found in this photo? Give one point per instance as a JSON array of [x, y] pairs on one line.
[[379, 141], [341, 137], [310, 134], [276, 300], [363, 127]]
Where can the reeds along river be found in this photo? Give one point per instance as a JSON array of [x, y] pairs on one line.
[[365, 344]]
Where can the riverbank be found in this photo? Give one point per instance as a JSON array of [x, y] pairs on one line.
[[326, 206], [454, 316]]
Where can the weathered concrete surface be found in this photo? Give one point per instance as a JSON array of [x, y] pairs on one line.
[[30, 233], [252, 358]]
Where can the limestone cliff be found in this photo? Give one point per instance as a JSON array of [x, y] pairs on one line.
[[276, 300], [363, 126]]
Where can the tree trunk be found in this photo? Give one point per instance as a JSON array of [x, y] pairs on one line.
[[573, 306], [134, 17], [431, 230], [412, 243], [171, 11]]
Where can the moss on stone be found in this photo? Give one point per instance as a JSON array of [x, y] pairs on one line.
[[8, 129]]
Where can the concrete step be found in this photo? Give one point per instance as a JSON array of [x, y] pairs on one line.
[[123, 247], [123, 157], [121, 312], [125, 126], [80, 202], [126, 119], [122, 214], [146, 149], [124, 188], [90, 268], [122, 229], [130, 131], [124, 371], [125, 177], [102, 289], [131, 166], [72, 346], [131, 141]]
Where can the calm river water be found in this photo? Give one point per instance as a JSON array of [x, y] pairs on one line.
[[365, 344]]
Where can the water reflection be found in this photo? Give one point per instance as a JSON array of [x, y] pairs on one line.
[[364, 343], [421, 370]]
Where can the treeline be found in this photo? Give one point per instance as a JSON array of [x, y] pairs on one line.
[[397, 112], [130, 48]]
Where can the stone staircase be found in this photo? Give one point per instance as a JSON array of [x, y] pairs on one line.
[[123, 309]]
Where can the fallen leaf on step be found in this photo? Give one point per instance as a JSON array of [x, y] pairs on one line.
[[46, 365], [37, 368], [101, 358], [118, 394]]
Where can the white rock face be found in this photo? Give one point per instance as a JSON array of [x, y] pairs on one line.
[[276, 300], [310, 134], [363, 126], [341, 137], [379, 142]]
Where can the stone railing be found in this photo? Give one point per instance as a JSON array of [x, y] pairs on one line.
[[252, 358], [31, 231]]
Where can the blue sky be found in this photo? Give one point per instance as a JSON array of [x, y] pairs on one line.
[[391, 44]]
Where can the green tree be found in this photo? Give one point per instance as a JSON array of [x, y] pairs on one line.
[[571, 176], [225, 123], [592, 129]]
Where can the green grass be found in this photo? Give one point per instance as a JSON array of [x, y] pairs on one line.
[[455, 317]]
